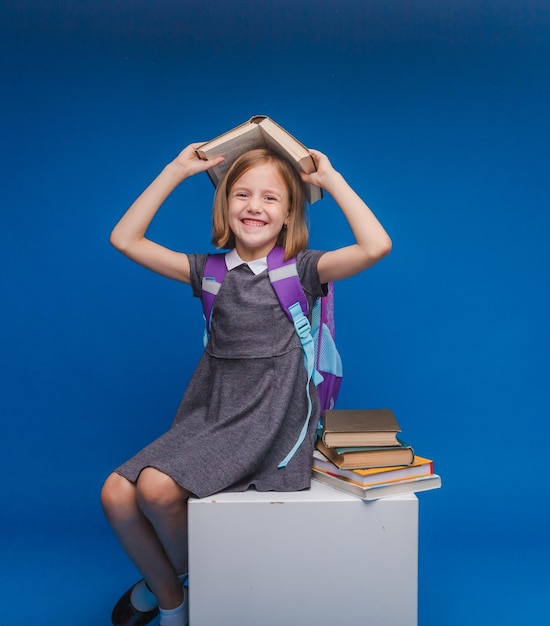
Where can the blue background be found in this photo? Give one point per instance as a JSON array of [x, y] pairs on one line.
[[437, 114]]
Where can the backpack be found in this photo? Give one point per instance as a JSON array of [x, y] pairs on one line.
[[321, 358]]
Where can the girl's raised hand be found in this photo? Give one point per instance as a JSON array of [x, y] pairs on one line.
[[190, 164], [128, 236], [325, 172]]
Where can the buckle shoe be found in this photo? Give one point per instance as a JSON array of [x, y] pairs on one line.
[[125, 613]]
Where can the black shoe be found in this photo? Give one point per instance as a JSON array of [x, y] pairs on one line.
[[125, 614]]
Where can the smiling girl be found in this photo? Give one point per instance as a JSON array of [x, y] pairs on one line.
[[245, 404]]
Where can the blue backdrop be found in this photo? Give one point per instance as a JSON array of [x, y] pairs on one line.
[[437, 114]]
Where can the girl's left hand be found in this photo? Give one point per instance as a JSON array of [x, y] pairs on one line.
[[325, 172]]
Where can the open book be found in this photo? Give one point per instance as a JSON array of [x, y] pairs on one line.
[[259, 132]]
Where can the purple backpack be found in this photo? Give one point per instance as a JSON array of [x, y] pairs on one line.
[[321, 359]]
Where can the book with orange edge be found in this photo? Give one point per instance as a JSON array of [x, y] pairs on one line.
[[365, 477], [381, 490]]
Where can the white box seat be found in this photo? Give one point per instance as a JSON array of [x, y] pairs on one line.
[[317, 557]]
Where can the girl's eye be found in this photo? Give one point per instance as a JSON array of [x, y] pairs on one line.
[[271, 198]]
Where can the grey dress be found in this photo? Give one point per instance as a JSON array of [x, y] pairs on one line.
[[246, 402]]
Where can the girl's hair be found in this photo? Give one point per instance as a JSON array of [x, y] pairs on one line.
[[294, 237]]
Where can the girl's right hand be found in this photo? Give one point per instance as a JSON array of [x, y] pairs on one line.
[[189, 164]]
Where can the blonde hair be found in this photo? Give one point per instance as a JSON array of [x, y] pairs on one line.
[[294, 237]]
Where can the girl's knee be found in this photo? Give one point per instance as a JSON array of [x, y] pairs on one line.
[[156, 490], [117, 495]]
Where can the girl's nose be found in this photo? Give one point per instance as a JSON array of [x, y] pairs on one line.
[[254, 205]]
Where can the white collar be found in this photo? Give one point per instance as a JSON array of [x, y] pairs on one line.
[[232, 260]]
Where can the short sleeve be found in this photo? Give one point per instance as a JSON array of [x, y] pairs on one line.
[[307, 262], [197, 263]]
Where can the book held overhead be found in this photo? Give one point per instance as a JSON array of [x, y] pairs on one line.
[[259, 132]]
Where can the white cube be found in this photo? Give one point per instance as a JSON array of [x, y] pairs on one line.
[[318, 557]]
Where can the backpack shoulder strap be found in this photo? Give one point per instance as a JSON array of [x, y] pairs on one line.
[[285, 281], [283, 276], [214, 273], [288, 288]]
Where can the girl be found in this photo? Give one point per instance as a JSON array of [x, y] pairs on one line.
[[246, 403]]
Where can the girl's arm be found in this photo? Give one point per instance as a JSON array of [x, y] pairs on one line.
[[372, 241], [128, 235]]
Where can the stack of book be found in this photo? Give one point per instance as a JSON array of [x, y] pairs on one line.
[[359, 451]]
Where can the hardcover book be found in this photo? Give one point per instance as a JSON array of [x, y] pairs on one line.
[[360, 427], [259, 132], [364, 477], [365, 457], [383, 490]]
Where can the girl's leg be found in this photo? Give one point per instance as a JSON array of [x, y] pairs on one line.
[[164, 503], [140, 539]]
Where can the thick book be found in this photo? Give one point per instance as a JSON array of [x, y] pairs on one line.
[[360, 427], [259, 132], [365, 477], [383, 490], [365, 457]]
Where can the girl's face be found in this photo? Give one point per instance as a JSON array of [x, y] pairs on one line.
[[258, 210]]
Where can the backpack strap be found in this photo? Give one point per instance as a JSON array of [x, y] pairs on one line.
[[290, 293], [214, 273], [288, 289], [285, 281]]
